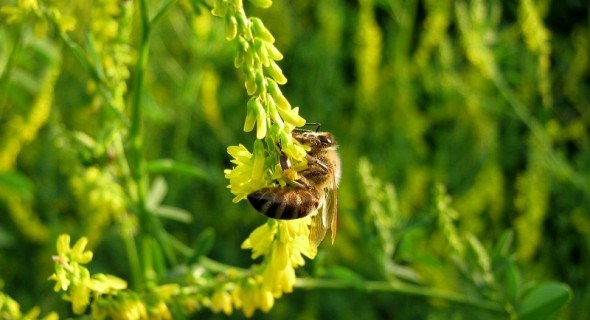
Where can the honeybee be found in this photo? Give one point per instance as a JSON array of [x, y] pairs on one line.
[[315, 191]]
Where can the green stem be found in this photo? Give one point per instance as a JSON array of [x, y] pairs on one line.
[[137, 184], [136, 130], [401, 288], [132, 255], [216, 266]]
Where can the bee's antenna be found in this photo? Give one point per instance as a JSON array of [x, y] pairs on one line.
[[317, 124], [314, 124]]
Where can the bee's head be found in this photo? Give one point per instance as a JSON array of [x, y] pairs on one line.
[[316, 140]]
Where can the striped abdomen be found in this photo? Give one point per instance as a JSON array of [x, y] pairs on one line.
[[285, 203]]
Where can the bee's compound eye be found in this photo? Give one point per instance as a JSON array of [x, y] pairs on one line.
[[325, 140]]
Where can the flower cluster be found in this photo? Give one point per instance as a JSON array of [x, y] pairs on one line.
[[100, 200], [110, 25], [10, 309], [25, 8], [75, 279], [283, 245], [107, 295], [267, 109]]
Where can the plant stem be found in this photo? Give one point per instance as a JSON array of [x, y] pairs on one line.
[[401, 288], [136, 130], [137, 186]]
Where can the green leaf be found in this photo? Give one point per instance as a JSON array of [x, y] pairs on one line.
[[168, 165], [504, 245], [157, 192], [17, 182], [544, 300], [173, 213], [513, 281], [202, 245]]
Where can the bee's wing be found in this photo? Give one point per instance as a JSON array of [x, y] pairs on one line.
[[331, 211], [318, 228], [326, 218]]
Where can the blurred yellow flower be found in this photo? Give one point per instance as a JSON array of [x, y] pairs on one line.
[[221, 301]]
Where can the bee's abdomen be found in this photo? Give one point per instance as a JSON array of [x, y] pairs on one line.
[[285, 203]]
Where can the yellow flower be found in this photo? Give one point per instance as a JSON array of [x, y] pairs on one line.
[[261, 239], [249, 174], [255, 114], [252, 295], [221, 301], [80, 297], [68, 260], [278, 281], [106, 283]]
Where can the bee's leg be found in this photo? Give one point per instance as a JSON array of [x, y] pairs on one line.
[[299, 183], [285, 162], [316, 166]]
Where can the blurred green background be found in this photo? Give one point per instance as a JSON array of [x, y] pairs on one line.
[[489, 98]]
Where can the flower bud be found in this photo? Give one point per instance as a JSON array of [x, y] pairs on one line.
[[276, 73], [219, 8], [292, 116], [231, 27], [262, 3], [260, 31], [258, 165], [251, 85], [250, 115], [274, 114], [273, 52], [261, 51], [277, 95], [260, 120]]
